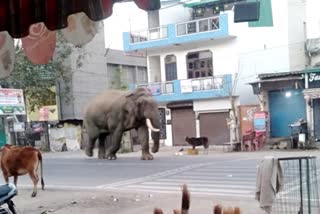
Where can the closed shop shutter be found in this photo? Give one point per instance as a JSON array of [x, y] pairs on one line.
[[284, 110], [183, 124], [214, 126]]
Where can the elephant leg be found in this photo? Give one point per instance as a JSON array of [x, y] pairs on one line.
[[143, 135], [115, 139], [102, 149], [90, 146]]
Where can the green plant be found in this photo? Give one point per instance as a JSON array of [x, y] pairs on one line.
[[37, 80]]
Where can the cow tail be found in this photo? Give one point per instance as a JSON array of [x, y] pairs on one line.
[[41, 170]]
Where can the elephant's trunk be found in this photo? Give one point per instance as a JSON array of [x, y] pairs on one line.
[[150, 126], [156, 141]]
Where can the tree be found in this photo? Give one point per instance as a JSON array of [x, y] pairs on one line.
[[37, 80]]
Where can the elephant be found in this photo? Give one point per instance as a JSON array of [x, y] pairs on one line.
[[113, 112]]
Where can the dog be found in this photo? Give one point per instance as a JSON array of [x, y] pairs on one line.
[[198, 141]]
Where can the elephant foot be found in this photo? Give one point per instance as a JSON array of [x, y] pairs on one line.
[[111, 156], [101, 156], [155, 149], [89, 152], [147, 156]]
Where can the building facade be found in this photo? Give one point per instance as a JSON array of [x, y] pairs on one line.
[[100, 69], [198, 58]]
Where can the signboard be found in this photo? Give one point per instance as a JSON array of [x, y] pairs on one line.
[[186, 86], [12, 102], [155, 89], [48, 113], [260, 121], [314, 80], [18, 127], [37, 127]]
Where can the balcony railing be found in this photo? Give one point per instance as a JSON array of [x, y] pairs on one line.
[[215, 27], [149, 34], [186, 86], [203, 84], [198, 26], [159, 88]]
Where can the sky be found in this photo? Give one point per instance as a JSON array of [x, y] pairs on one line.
[[125, 17]]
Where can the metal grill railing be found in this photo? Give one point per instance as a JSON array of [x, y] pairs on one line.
[[300, 194]]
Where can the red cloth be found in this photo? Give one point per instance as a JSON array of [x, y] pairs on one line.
[[39, 46], [16, 16]]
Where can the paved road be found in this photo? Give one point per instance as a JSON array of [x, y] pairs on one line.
[[205, 174], [211, 177], [226, 178]]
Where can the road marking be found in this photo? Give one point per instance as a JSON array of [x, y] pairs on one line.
[[164, 174], [191, 189], [151, 183], [194, 192], [213, 178], [61, 187], [206, 181]]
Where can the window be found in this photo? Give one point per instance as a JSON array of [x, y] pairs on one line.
[[171, 67], [202, 64], [199, 64], [142, 75]]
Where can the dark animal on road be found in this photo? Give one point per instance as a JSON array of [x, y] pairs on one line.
[[16, 161], [198, 141], [112, 113]]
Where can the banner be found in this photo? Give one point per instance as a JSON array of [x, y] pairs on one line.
[[12, 102], [186, 86]]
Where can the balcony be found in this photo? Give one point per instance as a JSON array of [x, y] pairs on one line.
[[190, 89], [196, 30]]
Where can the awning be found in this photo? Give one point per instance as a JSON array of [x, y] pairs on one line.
[[311, 93], [277, 79], [35, 21], [199, 3]]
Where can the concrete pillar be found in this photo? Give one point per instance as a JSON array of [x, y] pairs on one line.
[[309, 109], [197, 125], [153, 19]]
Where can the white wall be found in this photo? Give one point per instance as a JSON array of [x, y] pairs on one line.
[[297, 34], [211, 105], [126, 17], [175, 14], [254, 50], [313, 19], [154, 74]]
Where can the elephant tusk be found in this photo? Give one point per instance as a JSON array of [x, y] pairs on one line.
[[149, 124]]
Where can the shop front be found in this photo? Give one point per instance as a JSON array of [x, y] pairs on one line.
[[281, 95], [312, 97]]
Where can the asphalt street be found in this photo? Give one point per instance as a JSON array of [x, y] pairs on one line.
[[79, 184], [205, 174]]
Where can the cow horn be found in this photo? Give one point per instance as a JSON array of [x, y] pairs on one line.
[[149, 124]]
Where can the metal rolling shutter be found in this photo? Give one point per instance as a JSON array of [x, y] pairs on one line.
[[214, 126], [183, 124], [285, 111]]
